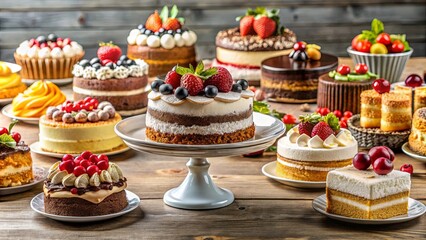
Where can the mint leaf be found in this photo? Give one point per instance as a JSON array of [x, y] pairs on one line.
[[209, 72], [12, 124], [199, 68], [263, 107], [191, 67], [174, 12], [164, 13], [181, 20], [7, 140], [377, 26], [182, 70]]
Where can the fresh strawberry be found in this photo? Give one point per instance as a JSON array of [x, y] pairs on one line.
[[172, 24], [109, 51], [264, 26], [222, 80], [246, 25], [307, 123], [328, 125], [173, 78], [192, 83], [154, 22]]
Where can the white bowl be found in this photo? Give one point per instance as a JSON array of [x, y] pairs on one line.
[[388, 66]]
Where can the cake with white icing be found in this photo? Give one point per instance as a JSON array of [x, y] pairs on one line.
[[313, 148], [366, 194], [201, 107]]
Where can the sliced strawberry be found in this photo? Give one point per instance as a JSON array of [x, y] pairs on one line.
[[109, 51], [307, 123], [246, 26], [264, 26], [192, 83], [172, 24], [154, 22], [322, 130]]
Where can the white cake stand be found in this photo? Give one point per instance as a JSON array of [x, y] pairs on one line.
[[198, 191]]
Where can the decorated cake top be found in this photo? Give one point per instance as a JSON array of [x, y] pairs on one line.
[[82, 111], [163, 30], [8, 79], [110, 64], [377, 41], [259, 30], [11, 140], [304, 52], [85, 173], [51, 46], [199, 85], [344, 73]]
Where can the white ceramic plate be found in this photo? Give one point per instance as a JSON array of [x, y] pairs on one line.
[[39, 176], [269, 171], [35, 147], [37, 204], [7, 112], [406, 149], [59, 82], [415, 210], [13, 67], [5, 101]]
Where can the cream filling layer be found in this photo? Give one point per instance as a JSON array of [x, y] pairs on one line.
[[371, 106], [372, 207], [214, 128], [302, 167], [251, 58], [111, 93], [386, 109], [240, 73], [10, 170], [93, 197]]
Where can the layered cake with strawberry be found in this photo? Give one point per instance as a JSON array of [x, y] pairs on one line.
[[341, 88], [48, 58], [87, 185], [259, 36], [114, 78], [10, 82], [35, 100], [293, 78], [361, 192], [73, 127], [162, 42], [314, 147], [199, 106], [15, 159]]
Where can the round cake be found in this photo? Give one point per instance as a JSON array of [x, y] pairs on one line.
[[87, 185], [47, 58], [10, 82], [285, 79], [162, 42], [122, 82], [307, 154], [77, 126], [242, 50], [200, 112], [342, 92]]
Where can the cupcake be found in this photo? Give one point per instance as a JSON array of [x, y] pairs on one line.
[[48, 58]]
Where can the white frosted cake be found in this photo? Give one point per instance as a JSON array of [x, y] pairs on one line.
[[301, 157], [365, 194]]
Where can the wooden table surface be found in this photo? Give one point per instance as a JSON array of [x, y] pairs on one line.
[[263, 208]]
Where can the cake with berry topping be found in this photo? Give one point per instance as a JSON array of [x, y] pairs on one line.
[[314, 147], [15, 159], [162, 42], [114, 78], [199, 106], [341, 88], [259, 36], [358, 191], [73, 127], [35, 100], [87, 185], [48, 58], [294, 78]]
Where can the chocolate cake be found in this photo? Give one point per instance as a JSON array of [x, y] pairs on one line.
[[287, 80]]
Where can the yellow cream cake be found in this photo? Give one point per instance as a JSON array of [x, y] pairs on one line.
[[10, 82], [396, 112], [419, 97], [371, 104]]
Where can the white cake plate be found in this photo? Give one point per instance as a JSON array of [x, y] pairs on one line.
[[58, 82], [198, 191], [406, 149], [7, 111]]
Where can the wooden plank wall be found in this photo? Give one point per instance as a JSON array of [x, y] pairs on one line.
[[331, 24]]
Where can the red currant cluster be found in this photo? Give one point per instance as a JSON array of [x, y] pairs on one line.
[[381, 158], [360, 68], [87, 162], [87, 104], [343, 118]]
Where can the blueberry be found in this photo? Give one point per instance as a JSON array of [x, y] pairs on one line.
[[179, 31], [96, 66], [148, 32], [52, 37], [161, 30], [210, 91], [95, 60], [291, 54], [120, 63], [300, 56], [141, 26], [156, 85], [244, 84], [41, 39], [166, 89], [236, 88], [84, 63], [123, 58], [130, 62], [170, 32], [143, 30], [181, 93], [111, 65], [157, 34]]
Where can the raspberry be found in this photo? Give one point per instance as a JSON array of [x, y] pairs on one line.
[[222, 80], [192, 83]]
